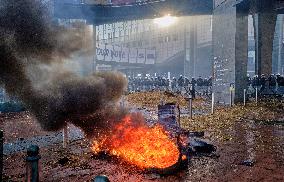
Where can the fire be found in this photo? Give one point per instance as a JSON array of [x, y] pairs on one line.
[[139, 144]]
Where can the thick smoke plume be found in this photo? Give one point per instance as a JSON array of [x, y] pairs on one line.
[[29, 39]]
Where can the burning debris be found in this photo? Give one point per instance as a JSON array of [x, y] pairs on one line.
[[136, 143], [155, 149]]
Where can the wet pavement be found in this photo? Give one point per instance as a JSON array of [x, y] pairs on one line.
[[42, 141], [261, 144], [253, 152]]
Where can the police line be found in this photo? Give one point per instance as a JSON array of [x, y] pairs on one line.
[[115, 53]]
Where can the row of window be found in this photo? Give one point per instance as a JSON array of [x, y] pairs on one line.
[[146, 43], [161, 40], [168, 38], [115, 30]]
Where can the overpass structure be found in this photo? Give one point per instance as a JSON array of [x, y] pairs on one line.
[[102, 14], [230, 32], [230, 42]]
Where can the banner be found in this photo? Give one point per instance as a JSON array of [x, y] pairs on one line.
[[100, 51], [108, 52], [150, 56], [132, 55], [115, 54], [124, 55], [141, 56]]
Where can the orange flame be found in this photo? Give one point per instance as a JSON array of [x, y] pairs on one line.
[[139, 144]]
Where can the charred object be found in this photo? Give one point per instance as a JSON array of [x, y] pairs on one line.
[[180, 165]]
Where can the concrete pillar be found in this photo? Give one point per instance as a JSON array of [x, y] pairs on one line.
[[95, 48], [277, 59], [264, 27], [241, 56], [280, 44], [230, 50]]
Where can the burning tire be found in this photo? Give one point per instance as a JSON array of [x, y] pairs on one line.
[[180, 165]]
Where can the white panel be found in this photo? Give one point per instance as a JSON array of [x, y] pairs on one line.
[[150, 56], [141, 56], [116, 53], [108, 50], [124, 55], [100, 51]]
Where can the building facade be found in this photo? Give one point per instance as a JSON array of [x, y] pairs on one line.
[[172, 44]]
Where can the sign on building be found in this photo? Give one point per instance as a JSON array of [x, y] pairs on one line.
[[115, 53]]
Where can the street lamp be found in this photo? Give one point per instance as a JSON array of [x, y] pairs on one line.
[[165, 21]]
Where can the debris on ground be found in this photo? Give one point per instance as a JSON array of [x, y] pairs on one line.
[[253, 132], [249, 163]]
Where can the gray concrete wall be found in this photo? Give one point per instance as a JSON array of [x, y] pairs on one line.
[[223, 50], [204, 61], [230, 34]]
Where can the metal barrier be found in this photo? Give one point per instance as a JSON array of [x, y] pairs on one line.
[[101, 178], [32, 171], [1, 157]]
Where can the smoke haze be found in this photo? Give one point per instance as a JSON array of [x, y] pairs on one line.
[[30, 46]]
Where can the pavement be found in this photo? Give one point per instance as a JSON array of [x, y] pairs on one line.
[[41, 141]]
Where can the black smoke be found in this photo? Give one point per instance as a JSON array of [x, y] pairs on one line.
[[28, 38]]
